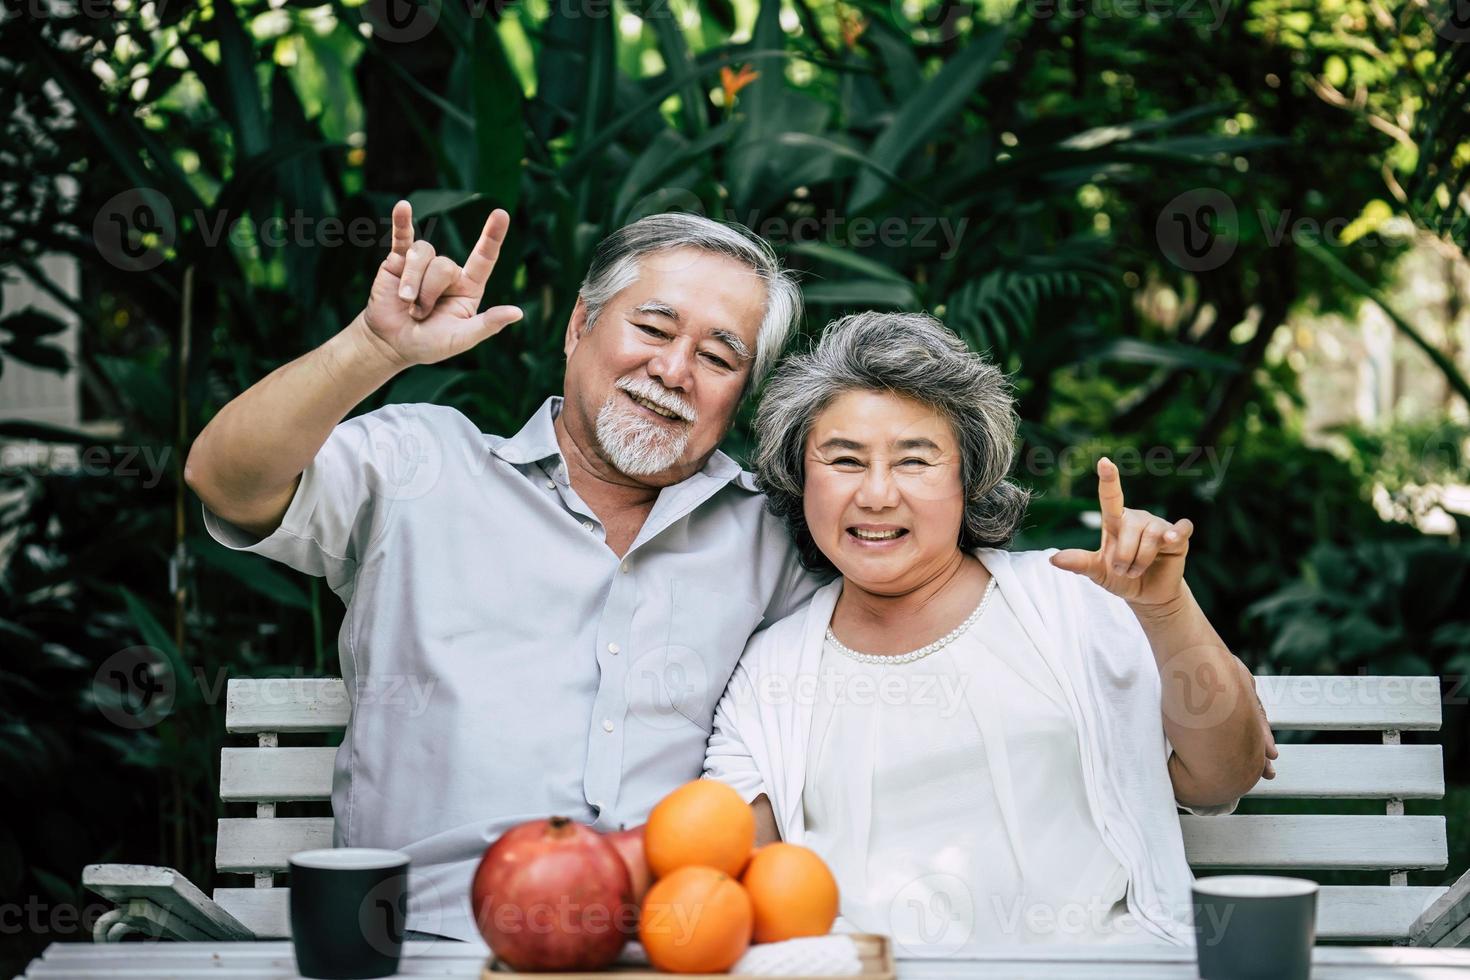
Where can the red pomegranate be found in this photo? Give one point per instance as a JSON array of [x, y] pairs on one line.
[[553, 895], [630, 845]]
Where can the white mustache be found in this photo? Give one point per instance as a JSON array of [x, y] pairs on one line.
[[652, 391]]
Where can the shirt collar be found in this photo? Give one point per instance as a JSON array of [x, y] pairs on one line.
[[537, 441], [537, 438]]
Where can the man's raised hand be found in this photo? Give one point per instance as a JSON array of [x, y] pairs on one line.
[[422, 306]]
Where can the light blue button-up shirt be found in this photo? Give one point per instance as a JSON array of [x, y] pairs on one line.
[[504, 664]]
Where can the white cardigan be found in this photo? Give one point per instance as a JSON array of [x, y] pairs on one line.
[[1096, 647]]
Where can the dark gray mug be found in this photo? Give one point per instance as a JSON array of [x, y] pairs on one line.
[[348, 907], [1255, 927]]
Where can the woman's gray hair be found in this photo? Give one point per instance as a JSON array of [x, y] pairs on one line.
[[616, 262], [908, 354]]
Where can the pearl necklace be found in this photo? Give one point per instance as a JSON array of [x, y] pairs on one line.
[[922, 652]]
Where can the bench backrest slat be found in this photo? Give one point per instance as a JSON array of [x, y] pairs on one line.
[[1404, 772], [1304, 702], [276, 775], [286, 704]]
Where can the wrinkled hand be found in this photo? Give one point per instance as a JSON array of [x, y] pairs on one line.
[[1141, 557], [422, 306]]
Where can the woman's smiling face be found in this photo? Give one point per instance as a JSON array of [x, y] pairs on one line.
[[883, 494]]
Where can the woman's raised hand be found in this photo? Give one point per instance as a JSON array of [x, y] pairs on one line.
[[423, 307], [1141, 557]]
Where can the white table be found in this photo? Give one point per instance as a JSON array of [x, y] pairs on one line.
[[274, 961]]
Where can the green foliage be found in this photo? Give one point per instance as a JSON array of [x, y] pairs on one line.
[[1005, 171], [1379, 607]]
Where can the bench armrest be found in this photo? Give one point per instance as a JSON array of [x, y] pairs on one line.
[[160, 901], [1447, 920]]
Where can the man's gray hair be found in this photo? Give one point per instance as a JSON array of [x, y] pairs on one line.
[[616, 262], [908, 354]]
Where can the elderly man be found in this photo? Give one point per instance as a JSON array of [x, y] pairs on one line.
[[572, 600]]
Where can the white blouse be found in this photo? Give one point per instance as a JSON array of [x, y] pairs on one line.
[[980, 830]]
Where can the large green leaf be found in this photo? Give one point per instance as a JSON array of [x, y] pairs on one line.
[[926, 110], [251, 571], [238, 91], [1131, 350], [855, 294], [499, 135], [759, 108], [849, 260], [424, 383]]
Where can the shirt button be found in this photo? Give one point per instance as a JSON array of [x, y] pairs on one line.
[[627, 566], [614, 648], [607, 724], [551, 484], [587, 525]]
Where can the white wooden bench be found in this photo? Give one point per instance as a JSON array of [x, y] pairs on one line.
[[162, 901]]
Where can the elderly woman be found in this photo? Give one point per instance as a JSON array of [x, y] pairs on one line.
[[985, 746]]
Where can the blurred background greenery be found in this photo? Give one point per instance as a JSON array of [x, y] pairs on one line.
[[1229, 233]]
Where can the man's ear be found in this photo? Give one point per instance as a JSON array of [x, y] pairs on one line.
[[576, 327]]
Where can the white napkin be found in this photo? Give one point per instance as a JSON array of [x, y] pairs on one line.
[[816, 956], [822, 956]]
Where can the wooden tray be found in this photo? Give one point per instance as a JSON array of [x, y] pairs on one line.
[[873, 949]]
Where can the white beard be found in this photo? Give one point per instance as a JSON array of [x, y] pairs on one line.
[[637, 446]]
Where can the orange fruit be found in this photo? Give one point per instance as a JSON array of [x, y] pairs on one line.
[[704, 822], [792, 891], [695, 920]]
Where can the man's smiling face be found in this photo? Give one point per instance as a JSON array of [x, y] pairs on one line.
[[656, 381]]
